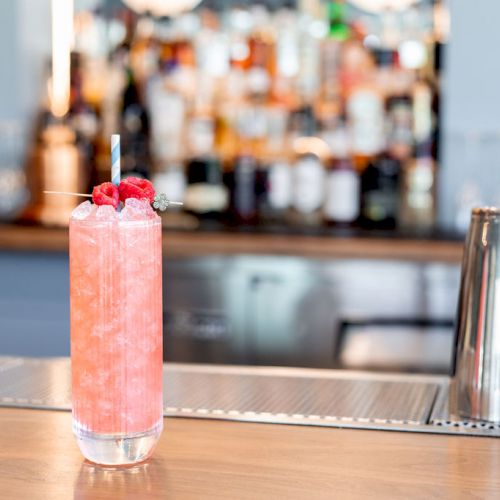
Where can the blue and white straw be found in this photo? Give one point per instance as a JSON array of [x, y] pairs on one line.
[[115, 159]]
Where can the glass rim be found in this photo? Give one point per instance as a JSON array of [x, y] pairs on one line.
[[109, 222], [486, 212]]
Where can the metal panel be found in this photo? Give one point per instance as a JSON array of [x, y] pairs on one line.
[[37, 383], [329, 398]]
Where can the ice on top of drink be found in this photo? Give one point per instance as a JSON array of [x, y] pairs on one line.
[[133, 209]]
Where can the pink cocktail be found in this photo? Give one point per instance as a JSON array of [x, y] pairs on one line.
[[116, 331]]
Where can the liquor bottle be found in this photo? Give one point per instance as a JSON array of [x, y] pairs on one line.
[[342, 193], [424, 123], [241, 181], [380, 192], [274, 190], [418, 199], [308, 188], [399, 126], [337, 17], [134, 131], [308, 172], [365, 120], [206, 196]]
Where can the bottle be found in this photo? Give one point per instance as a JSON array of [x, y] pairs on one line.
[[424, 123], [206, 196], [134, 131], [308, 173], [308, 189], [274, 190], [242, 184], [399, 126], [342, 193], [418, 200], [337, 14], [418, 197], [365, 121], [380, 192]]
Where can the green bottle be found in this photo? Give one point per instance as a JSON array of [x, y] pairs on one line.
[[337, 13]]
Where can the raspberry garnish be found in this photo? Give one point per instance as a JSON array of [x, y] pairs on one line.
[[106, 194], [133, 187]]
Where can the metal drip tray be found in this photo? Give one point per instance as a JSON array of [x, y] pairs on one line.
[[272, 395], [299, 393]]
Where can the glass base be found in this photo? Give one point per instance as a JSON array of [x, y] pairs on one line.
[[117, 449]]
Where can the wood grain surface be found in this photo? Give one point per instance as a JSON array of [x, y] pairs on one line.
[[195, 244], [201, 459]]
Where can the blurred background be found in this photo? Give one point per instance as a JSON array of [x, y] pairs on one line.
[[327, 152]]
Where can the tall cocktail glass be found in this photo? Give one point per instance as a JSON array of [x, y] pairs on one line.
[[116, 331]]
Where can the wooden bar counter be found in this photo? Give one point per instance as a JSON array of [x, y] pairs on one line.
[[202, 459]]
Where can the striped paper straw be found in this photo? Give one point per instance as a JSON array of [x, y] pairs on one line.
[[115, 159]]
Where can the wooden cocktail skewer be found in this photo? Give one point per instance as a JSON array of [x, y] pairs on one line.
[[68, 193], [175, 203]]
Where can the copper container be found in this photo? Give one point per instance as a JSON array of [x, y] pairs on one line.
[[57, 166]]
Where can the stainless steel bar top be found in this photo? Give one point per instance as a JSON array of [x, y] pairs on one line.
[[330, 398]]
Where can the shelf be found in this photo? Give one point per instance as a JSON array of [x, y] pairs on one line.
[[223, 240]]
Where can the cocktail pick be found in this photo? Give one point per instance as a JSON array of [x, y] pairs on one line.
[[161, 202], [68, 193]]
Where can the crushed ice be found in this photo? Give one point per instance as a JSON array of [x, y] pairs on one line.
[[82, 211], [134, 210]]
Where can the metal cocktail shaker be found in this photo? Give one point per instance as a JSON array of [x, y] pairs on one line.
[[475, 389]]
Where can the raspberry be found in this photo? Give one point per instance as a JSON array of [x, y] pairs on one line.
[[133, 187], [106, 194]]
